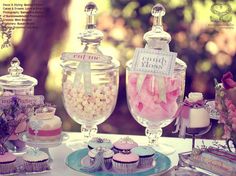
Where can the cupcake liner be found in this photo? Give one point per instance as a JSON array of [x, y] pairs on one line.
[[145, 162], [7, 168], [108, 163], [36, 166], [124, 167]]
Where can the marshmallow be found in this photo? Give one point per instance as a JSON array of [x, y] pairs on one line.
[[147, 104], [98, 105]]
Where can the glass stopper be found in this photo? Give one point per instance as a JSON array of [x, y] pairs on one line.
[[91, 11], [158, 11], [15, 68], [91, 8], [91, 34], [157, 34]]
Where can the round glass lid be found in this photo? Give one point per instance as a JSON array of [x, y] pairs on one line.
[[15, 79]]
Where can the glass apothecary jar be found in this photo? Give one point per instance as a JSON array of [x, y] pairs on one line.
[[90, 80], [16, 83], [156, 102]]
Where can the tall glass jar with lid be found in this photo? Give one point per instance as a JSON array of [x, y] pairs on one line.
[[156, 102], [90, 80]]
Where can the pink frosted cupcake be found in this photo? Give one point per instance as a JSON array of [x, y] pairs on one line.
[[7, 163], [124, 144], [125, 162], [35, 161]]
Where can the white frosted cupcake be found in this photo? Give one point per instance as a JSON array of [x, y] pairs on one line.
[[107, 155], [36, 161], [125, 162]]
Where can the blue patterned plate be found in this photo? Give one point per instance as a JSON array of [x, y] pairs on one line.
[[74, 159]]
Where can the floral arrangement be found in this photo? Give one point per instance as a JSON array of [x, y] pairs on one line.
[[10, 117], [226, 105]]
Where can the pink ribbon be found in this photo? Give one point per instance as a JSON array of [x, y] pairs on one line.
[[184, 110], [223, 154], [182, 115], [45, 132]]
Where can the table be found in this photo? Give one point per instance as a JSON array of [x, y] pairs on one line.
[[60, 153]]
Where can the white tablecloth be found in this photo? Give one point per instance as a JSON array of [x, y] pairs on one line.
[[60, 153]]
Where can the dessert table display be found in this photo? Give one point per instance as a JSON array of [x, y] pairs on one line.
[[155, 82], [60, 153]]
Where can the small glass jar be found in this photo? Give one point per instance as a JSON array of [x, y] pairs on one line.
[[90, 88], [155, 105], [16, 83]]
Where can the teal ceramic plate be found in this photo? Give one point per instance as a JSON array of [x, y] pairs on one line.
[[74, 159]]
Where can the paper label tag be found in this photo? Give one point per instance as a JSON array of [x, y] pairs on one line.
[[23, 101], [150, 61], [87, 57]]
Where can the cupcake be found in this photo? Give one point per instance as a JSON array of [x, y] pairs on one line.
[[35, 161], [146, 155], [7, 163], [125, 162], [106, 153], [99, 142], [124, 144]]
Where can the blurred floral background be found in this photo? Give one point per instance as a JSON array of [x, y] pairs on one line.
[[209, 50]]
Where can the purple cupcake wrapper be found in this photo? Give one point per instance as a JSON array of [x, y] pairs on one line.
[[107, 162], [36, 166], [145, 162], [7, 168]]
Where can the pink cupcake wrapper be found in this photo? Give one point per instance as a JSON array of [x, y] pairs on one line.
[[124, 167], [145, 162], [7, 168]]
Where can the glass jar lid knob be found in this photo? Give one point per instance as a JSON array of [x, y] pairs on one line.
[[15, 69], [157, 34], [158, 11], [91, 11], [91, 33]]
